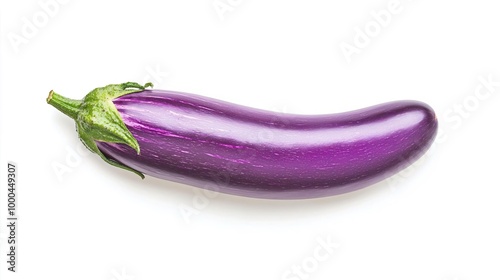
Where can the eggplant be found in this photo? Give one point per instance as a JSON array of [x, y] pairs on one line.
[[244, 151]]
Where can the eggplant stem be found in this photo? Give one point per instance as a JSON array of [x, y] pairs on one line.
[[69, 107], [97, 118]]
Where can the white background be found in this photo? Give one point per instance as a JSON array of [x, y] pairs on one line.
[[439, 219]]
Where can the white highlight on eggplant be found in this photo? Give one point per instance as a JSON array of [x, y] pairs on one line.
[[190, 120], [324, 249]]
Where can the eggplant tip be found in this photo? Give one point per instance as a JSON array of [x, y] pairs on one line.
[[51, 93]]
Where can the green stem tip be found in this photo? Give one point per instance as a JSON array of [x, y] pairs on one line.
[[69, 107]]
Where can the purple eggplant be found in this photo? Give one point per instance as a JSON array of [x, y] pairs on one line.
[[244, 151]]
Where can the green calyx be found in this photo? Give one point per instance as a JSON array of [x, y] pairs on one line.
[[97, 118]]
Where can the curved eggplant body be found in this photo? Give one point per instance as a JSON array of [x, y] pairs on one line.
[[243, 151]]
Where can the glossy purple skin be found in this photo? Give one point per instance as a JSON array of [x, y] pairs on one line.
[[244, 151]]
